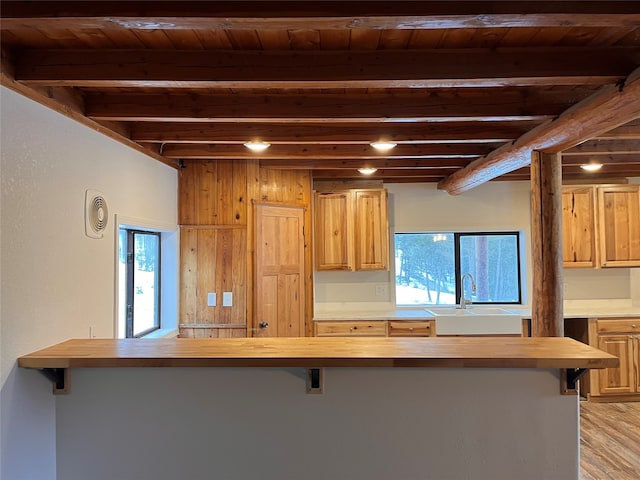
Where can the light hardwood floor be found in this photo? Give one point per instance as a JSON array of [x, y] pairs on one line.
[[610, 441]]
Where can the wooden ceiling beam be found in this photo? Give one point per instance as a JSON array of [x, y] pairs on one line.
[[604, 147], [619, 170], [610, 107], [324, 151], [449, 106], [627, 164], [412, 133], [382, 163], [441, 68], [384, 174], [317, 15], [612, 158], [629, 131]]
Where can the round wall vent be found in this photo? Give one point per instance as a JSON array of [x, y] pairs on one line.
[[96, 214]]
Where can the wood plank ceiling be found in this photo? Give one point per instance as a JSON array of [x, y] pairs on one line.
[[462, 88]]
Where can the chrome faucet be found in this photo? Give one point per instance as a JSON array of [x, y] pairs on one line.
[[463, 300]]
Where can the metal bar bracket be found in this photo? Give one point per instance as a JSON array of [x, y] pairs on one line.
[[315, 380], [59, 377], [571, 377]]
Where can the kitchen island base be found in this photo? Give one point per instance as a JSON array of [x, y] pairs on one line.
[[369, 423]]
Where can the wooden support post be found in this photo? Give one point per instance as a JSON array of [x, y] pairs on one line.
[[546, 245]]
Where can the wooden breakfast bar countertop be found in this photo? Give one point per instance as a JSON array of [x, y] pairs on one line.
[[356, 408], [314, 352]]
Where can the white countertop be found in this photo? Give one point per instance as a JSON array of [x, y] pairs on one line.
[[600, 308], [398, 314]]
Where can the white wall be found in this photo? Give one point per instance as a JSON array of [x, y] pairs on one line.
[[422, 207], [491, 206], [370, 423], [55, 281]]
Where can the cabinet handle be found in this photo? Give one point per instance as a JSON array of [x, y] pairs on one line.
[[411, 329], [263, 324], [633, 325]]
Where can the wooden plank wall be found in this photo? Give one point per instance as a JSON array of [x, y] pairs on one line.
[[216, 217]]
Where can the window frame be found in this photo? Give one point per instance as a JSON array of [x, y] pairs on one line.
[[457, 235], [458, 271], [130, 282], [170, 274]]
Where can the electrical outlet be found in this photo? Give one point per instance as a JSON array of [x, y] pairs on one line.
[[381, 290], [92, 331]]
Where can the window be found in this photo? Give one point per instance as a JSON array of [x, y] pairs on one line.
[[429, 267], [139, 270]]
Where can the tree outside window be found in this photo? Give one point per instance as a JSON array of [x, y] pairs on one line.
[[429, 267]]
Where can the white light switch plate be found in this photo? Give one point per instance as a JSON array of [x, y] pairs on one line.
[[227, 299], [211, 299]]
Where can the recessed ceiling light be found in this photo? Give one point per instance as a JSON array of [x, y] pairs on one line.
[[383, 146], [591, 167], [257, 146], [367, 170]]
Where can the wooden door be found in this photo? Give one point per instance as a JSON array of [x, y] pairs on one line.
[[620, 379], [619, 219], [578, 227], [371, 230], [279, 308], [333, 231]]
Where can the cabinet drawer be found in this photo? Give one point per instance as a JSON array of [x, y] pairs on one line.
[[618, 325], [344, 329], [410, 329]]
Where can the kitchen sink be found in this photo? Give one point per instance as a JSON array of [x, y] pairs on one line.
[[472, 310], [475, 320]]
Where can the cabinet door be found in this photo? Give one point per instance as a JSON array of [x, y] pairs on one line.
[[351, 329], [619, 220], [578, 227], [371, 230], [620, 379], [333, 231], [403, 328], [212, 260], [636, 362]]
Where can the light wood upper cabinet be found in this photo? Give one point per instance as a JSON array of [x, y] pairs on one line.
[[351, 230], [578, 227], [619, 223], [371, 230], [333, 233], [601, 226]]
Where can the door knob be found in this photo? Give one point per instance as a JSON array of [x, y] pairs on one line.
[[263, 324]]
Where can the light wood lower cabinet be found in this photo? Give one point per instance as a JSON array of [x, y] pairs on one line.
[[346, 329], [411, 328], [619, 337], [375, 328]]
